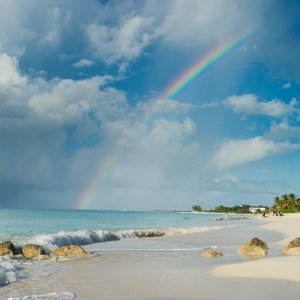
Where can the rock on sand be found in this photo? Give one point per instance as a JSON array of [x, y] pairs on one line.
[[293, 248], [255, 247], [212, 253], [69, 250]]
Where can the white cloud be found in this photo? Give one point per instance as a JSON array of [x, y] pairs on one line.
[[67, 100], [10, 76], [286, 85], [235, 185], [249, 104], [283, 130], [83, 63], [63, 113], [233, 153], [14, 88], [164, 105], [203, 21], [123, 68], [124, 41]]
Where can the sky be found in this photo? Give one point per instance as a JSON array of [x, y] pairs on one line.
[[85, 121]]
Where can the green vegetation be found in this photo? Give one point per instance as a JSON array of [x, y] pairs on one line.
[[197, 208], [244, 209], [287, 203]]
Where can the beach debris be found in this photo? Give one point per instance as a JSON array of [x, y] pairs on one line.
[[255, 247], [32, 251], [69, 250], [7, 248], [212, 253], [148, 233], [293, 248]]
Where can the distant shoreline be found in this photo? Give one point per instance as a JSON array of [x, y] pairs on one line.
[[198, 212]]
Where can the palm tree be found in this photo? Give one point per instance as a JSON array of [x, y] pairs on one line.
[[277, 202], [284, 201], [292, 201]]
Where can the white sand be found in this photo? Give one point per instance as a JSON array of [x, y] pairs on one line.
[[280, 267], [123, 273]]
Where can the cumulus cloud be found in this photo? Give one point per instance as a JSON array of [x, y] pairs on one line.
[[61, 117], [233, 153], [10, 76], [12, 85], [83, 63], [283, 130], [124, 41], [58, 133], [66, 100], [250, 105]]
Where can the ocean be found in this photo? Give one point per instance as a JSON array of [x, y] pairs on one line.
[[55, 228]]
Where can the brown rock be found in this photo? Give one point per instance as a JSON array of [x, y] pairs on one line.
[[32, 251], [255, 247], [212, 253], [293, 248], [69, 250], [44, 257], [7, 248], [151, 233]]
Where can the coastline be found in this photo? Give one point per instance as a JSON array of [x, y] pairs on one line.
[[282, 267], [172, 267]]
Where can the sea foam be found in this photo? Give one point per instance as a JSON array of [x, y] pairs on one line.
[[7, 273], [50, 296]]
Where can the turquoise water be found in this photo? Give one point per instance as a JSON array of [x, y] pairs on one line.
[[62, 227]]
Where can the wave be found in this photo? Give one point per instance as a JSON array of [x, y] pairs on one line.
[[80, 237], [86, 237]]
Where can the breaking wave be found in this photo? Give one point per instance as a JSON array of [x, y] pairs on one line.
[[86, 237]]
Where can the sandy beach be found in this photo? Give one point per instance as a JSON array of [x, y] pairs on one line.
[[172, 267]]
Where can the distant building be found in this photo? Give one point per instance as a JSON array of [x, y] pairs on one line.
[[254, 209]]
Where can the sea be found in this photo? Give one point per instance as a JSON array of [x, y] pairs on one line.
[[54, 228]]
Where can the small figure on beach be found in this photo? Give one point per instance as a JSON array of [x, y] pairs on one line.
[[226, 215]]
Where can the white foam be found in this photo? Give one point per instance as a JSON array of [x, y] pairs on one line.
[[177, 231], [7, 273], [56, 296]]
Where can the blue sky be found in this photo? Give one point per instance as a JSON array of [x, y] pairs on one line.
[[80, 98]]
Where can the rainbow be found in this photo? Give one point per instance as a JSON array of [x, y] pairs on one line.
[[201, 65], [204, 62], [86, 197]]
